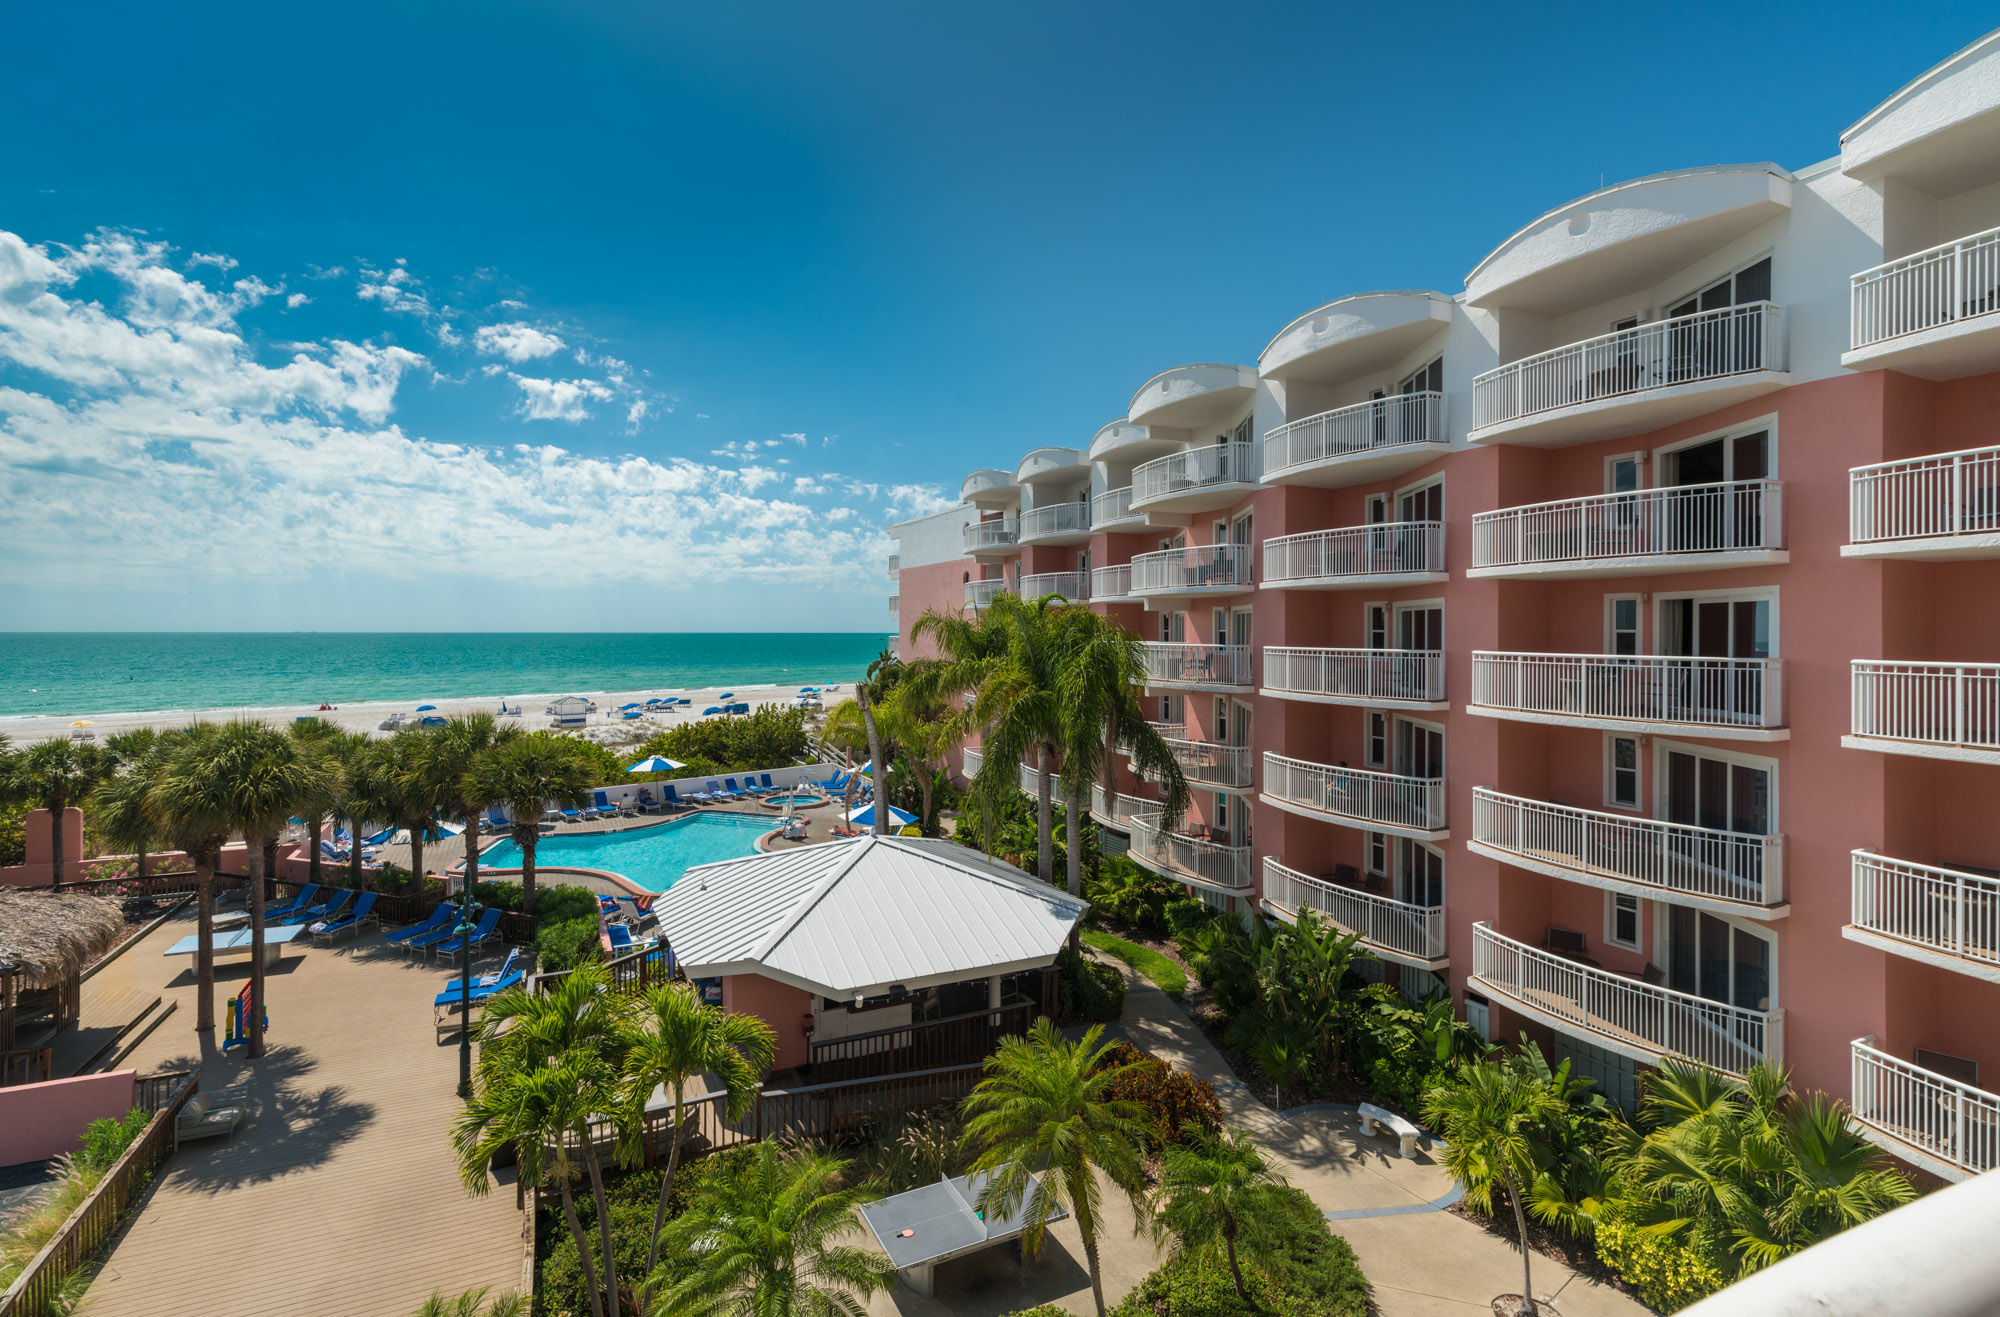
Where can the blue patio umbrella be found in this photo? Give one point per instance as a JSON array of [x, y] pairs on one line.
[[654, 764], [865, 817], [713, 708], [634, 705], [657, 700], [808, 690], [727, 695], [425, 708]]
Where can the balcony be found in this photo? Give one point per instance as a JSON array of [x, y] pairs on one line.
[[995, 537], [978, 594], [895, 563], [1357, 797], [1714, 698], [1192, 571], [1196, 479], [1074, 586], [1222, 668], [1633, 380], [1031, 784], [1379, 557], [1393, 930], [1708, 868], [1368, 441], [1934, 314], [1112, 510], [1373, 678], [1209, 764], [1063, 465], [1678, 528], [1931, 710], [989, 486], [1949, 918], [1647, 1022], [1117, 810], [1194, 397], [895, 607], [1944, 508], [1111, 585], [1944, 1125], [972, 759], [1122, 441], [1190, 859], [1057, 523]]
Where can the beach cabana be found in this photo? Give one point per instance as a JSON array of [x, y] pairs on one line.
[[850, 949], [570, 711], [47, 940]]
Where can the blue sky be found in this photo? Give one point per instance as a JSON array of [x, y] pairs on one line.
[[650, 317]]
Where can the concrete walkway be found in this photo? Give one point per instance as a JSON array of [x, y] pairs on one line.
[[1421, 1260]]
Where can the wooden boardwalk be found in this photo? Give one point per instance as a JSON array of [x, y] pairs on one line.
[[340, 1193]]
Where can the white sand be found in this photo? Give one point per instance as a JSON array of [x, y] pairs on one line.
[[368, 717]]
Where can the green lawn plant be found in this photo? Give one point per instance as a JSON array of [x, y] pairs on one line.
[[1164, 974]]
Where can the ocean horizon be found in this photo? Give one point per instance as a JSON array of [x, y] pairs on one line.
[[52, 673]]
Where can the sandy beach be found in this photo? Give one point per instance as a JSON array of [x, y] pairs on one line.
[[369, 716]]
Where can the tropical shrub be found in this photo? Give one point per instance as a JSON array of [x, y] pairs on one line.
[[1087, 991], [1302, 1269], [568, 944], [1132, 894], [771, 737], [606, 766], [1406, 1050], [107, 1138], [561, 904], [1668, 1274], [1171, 1101]]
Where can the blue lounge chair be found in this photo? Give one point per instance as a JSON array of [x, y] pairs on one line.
[[296, 904], [446, 1004], [621, 938], [572, 815], [767, 783], [324, 910], [606, 806], [734, 790], [713, 790], [669, 796], [837, 783], [439, 917], [437, 933], [496, 817], [488, 980], [362, 913], [482, 933]]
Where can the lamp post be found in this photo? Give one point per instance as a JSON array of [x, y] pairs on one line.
[[468, 915]]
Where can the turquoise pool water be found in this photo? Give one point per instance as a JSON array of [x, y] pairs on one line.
[[653, 857]]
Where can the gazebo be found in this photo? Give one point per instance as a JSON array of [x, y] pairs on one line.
[[871, 956], [47, 940]]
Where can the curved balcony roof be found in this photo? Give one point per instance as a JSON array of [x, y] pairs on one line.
[[989, 486], [1941, 133], [1206, 393], [1352, 336], [1626, 237], [1122, 441], [1054, 464]]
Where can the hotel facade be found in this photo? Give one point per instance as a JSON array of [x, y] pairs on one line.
[[1614, 641]]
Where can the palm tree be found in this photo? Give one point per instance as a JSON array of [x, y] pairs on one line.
[[761, 1242], [472, 1303], [327, 743], [119, 803], [1490, 1116], [1047, 1125], [191, 809], [54, 775], [1217, 1190], [682, 1037], [529, 774], [927, 727]]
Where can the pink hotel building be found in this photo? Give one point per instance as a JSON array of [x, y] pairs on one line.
[[1616, 641]]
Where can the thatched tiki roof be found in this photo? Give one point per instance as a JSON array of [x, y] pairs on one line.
[[47, 937]]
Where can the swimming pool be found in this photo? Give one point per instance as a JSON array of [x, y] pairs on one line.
[[654, 857]]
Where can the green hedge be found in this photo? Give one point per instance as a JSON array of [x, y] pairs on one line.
[[1086, 990], [1299, 1268], [631, 1198]]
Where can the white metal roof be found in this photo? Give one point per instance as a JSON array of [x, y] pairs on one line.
[[865, 915]]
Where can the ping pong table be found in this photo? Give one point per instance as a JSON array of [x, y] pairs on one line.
[[938, 1222], [275, 941]]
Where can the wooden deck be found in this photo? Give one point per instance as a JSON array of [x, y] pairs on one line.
[[340, 1193]]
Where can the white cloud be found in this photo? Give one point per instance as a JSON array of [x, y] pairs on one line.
[[807, 485], [558, 400], [217, 259], [919, 500], [517, 341], [638, 411], [296, 300]]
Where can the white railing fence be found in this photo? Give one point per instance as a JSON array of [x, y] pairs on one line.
[[1730, 516], [1948, 704], [1191, 857], [1364, 674], [1208, 763], [1665, 857], [1955, 280], [1945, 910], [1171, 662], [1070, 585], [980, 593], [1595, 1001], [1111, 582], [1411, 930], [1112, 505], [1206, 464], [1919, 497], [1055, 519], [1950, 1120], [1396, 548], [1119, 807], [895, 563], [972, 759], [1732, 340], [1709, 692], [1193, 567], [1407, 418], [1357, 793]]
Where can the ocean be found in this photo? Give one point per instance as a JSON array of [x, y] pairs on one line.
[[145, 672]]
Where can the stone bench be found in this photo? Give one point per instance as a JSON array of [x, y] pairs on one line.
[[1373, 1117]]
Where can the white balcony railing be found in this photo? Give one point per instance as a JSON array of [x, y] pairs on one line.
[[1370, 675], [1194, 468], [1953, 706], [1119, 808], [895, 563], [1704, 692], [1730, 517], [1948, 911], [1193, 567], [1111, 582], [1031, 783], [1363, 795], [978, 594], [1055, 519], [994, 533], [1708, 345], [1356, 553], [1953, 281], [1673, 859], [1398, 422], [1409, 930], [895, 606], [1947, 1119], [1207, 763], [1112, 506], [1070, 585], [1211, 862], [1925, 497], [973, 759], [1629, 1013], [1170, 663]]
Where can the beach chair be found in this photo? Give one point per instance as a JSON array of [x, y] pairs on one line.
[[669, 796], [767, 783], [437, 932], [496, 818], [482, 933], [362, 913], [716, 792], [575, 816], [293, 906], [327, 909], [609, 808], [621, 939], [439, 917], [734, 790], [207, 1116], [445, 1006]]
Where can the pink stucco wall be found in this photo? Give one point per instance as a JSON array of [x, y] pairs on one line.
[[786, 1009], [42, 1120]]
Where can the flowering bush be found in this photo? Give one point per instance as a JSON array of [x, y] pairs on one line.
[[1171, 1098]]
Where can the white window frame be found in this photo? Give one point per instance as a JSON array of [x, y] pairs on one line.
[[1368, 624], [1637, 457], [1375, 854], [1219, 812], [1638, 602], [1764, 932], [1704, 284], [1234, 613], [1612, 902], [1611, 800], [1370, 718], [1397, 877], [1370, 504], [1402, 606], [1768, 423], [1758, 593], [1444, 740], [1220, 730], [1705, 750], [1415, 487]]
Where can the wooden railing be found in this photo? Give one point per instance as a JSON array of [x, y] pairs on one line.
[[27, 1065], [926, 1045], [630, 974], [34, 1291]]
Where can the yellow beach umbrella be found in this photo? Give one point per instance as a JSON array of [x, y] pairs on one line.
[[81, 722]]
